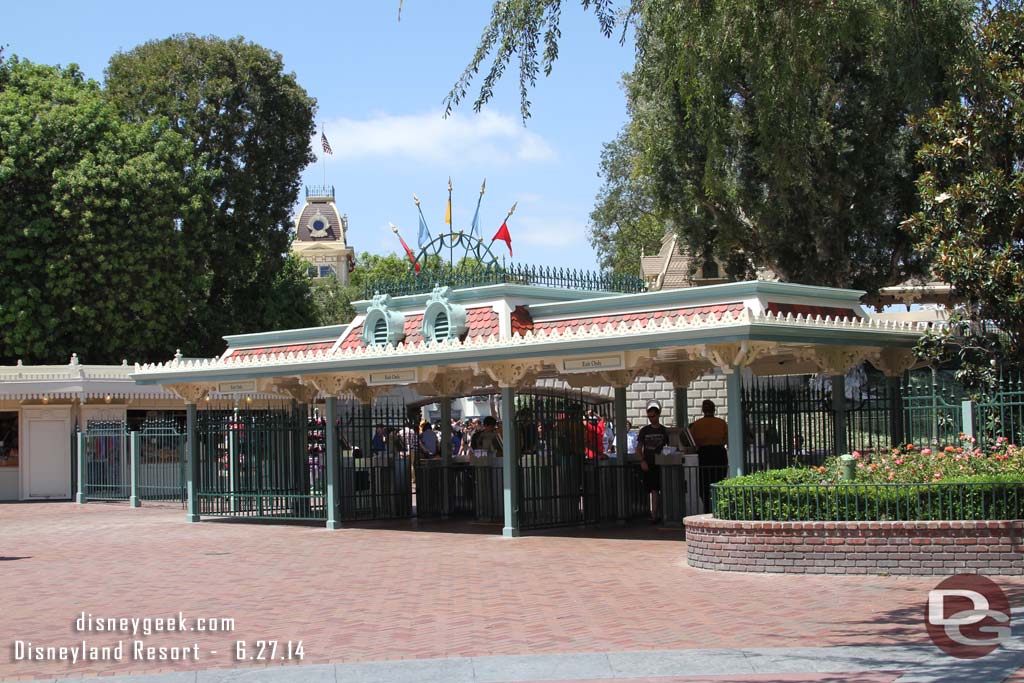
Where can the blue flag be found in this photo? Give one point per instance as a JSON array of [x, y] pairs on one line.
[[424, 236], [474, 231]]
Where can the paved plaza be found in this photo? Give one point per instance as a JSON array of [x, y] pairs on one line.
[[448, 601]]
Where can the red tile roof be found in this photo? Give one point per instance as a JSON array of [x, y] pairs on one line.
[[814, 311], [481, 321], [521, 320], [644, 317], [267, 350]]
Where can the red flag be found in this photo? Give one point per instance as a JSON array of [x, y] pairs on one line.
[[504, 236], [408, 252]]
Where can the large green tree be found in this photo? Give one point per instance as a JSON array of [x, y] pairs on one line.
[[780, 129], [93, 257], [625, 221], [250, 124], [971, 222]]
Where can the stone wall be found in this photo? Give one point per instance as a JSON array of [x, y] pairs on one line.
[[904, 548], [646, 389]]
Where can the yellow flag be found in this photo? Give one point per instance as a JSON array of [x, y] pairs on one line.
[[448, 212]]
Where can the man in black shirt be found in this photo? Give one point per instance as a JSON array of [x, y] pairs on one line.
[[651, 440]]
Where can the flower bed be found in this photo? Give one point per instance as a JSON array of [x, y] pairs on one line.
[[960, 482]]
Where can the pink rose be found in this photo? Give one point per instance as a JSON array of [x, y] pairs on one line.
[[926, 451]]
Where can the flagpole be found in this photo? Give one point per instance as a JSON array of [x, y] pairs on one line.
[[451, 227], [510, 212]]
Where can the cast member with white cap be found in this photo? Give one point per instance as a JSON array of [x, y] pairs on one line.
[[653, 437]]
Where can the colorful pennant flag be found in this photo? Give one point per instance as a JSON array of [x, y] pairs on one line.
[[474, 231], [448, 210], [503, 234], [408, 251], [424, 236]]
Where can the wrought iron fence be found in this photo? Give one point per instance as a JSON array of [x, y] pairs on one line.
[[463, 276], [933, 408], [377, 448], [256, 463], [869, 502], [106, 467], [1002, 413], [161, 444], [147, 463], [564, 476], [787, 420]]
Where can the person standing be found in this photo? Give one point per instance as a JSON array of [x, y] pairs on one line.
[[428, 441], [711, 435], [653, 437]]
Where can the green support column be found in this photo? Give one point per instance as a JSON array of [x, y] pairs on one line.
[[192, 455], [332, 498], [895, 391], [233, 483], [445, 404], [80, 444], [682, 405], [734, 403], [839, 410], [135, 447], [511, 463], [621, 454]]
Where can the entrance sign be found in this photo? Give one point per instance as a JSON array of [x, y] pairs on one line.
[[392, 377], [615, 361], [241, 386]]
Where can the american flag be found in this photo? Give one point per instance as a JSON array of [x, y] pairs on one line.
[[326, 145]]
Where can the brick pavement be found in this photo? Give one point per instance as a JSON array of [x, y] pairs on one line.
[[407, 592]]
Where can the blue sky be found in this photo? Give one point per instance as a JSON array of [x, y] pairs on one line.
[[380, 84]]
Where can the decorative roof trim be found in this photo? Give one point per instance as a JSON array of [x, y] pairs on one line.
[[865, 331]]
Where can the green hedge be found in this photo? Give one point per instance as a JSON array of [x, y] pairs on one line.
[[798, 495]]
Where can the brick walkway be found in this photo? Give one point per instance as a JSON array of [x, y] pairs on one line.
[[437, 590]]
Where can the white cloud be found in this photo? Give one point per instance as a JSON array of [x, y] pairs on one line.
[[488, 137], [545, 231]]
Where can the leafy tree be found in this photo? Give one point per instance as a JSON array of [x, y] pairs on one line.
[[250, 124], [624, 220], [333, 301], [90, 204], [780, 130], [971, 222], [529, 30]]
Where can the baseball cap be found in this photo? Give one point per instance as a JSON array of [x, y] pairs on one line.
[[654, 405]]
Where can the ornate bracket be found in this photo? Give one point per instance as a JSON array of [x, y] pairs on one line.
[[511, 373], [682, 374], [893, 361], [190, 393], [303, 393], [329, 385], [836, 360], [618, 378], [450, 382]]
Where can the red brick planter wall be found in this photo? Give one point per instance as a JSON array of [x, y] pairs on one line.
[[929, 548]]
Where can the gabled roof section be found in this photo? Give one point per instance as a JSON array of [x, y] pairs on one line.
[[641, 318], [482, 321], [306, 339]]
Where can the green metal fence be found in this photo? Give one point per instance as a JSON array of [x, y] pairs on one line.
[[1002, 413], [377, 449], [565, 478], [256, 464], [471, 276], [161, 444], [107, 469], [933, 408], [869, 502]]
